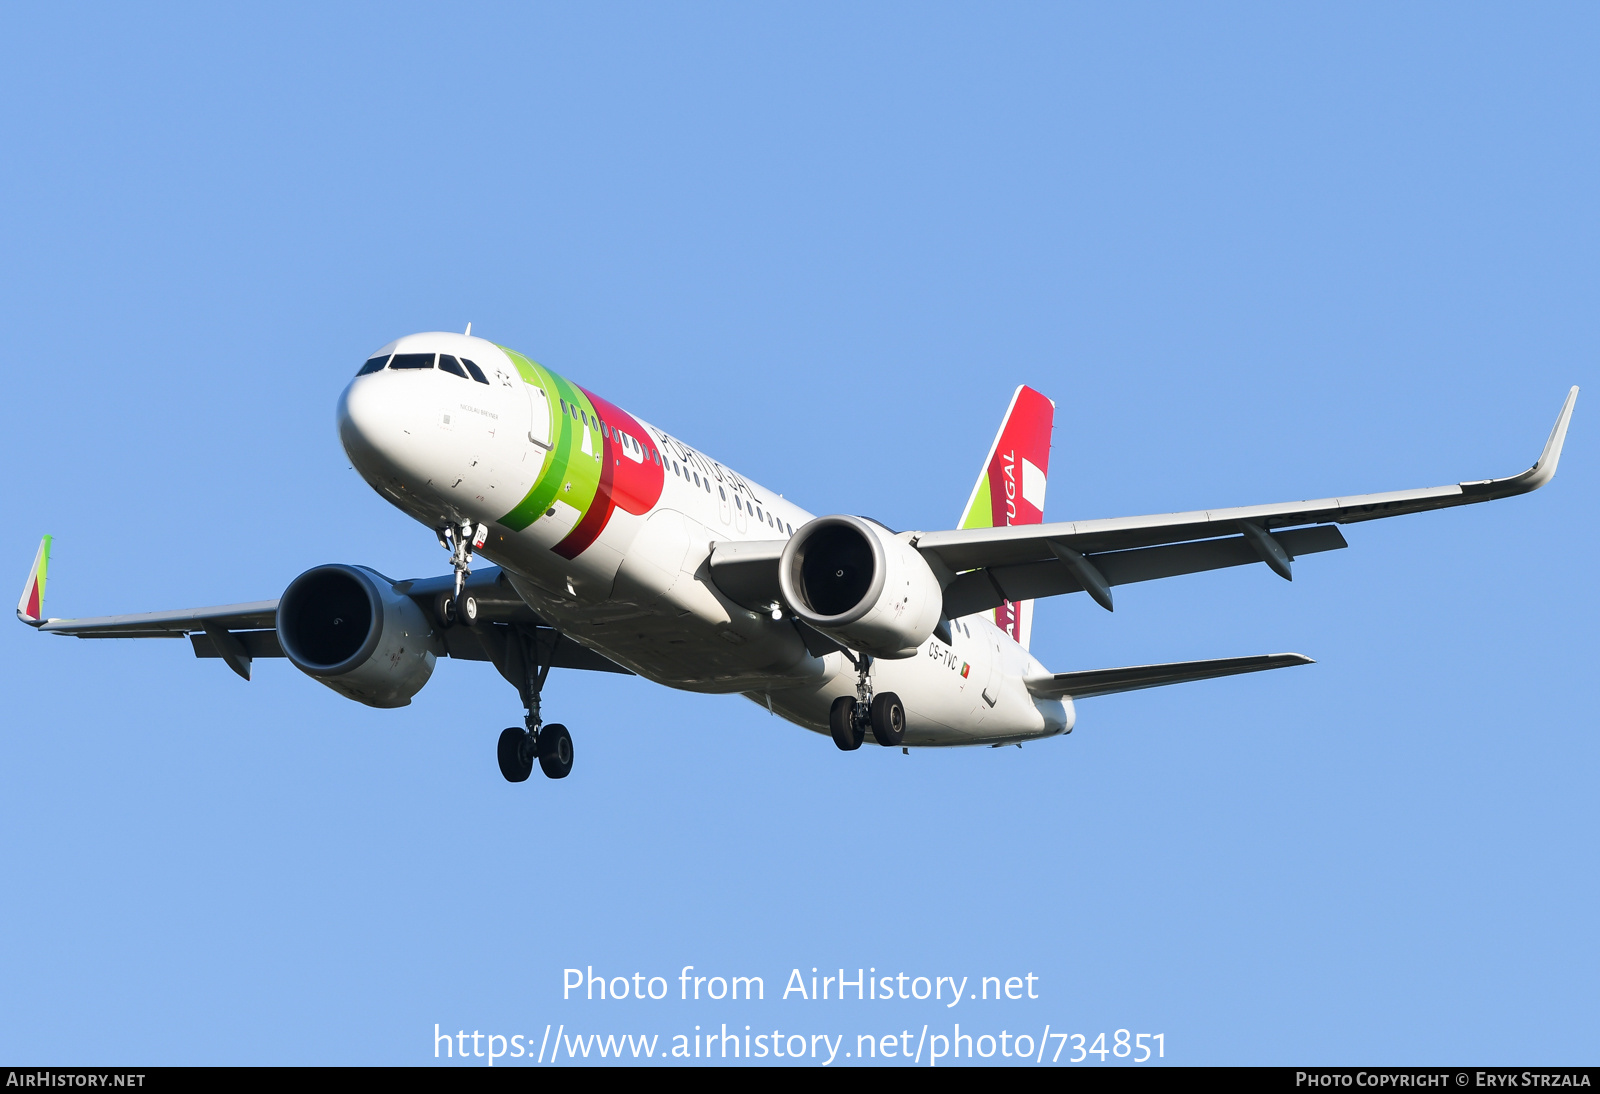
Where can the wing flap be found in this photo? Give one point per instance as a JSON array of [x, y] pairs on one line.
[[1094, 682], [982, 589], [255, 643]]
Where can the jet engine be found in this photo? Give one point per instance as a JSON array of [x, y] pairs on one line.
[[347, 627], [861, 585]]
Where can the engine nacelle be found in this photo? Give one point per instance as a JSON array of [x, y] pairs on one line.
[[861, 585], [347, 627]]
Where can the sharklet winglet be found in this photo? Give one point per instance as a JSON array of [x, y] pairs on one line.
[[30, 606]]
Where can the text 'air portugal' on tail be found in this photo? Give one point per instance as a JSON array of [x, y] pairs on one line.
[[1010, 488]]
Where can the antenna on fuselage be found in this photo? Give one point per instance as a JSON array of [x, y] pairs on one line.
[[469, 330]]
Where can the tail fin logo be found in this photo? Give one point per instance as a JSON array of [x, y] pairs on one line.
[[1011, 488]]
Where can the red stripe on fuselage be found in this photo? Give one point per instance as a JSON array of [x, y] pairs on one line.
[[635, 487], [636, 484]]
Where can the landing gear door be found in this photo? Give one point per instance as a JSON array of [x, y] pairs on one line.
[[538, 415]]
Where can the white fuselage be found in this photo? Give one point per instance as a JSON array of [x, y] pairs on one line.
[[446, 449]]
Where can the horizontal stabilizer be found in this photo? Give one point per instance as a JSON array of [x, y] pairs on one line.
[[1086, 685]]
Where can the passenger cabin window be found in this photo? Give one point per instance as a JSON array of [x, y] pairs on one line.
[[451, 365], [373, 364], [475, 372], [412, 360]]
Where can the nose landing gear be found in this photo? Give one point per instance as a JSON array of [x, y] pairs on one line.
[[550, 744], [460, 541]]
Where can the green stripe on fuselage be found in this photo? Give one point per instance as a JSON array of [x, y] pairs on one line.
[[568, 473]]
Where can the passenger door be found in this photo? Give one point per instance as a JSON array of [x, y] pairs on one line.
[[539, 419]]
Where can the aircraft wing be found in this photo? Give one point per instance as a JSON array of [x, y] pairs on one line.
[[988, 566], [981, 568], [259, 615], [240, 633], [1087, 685]]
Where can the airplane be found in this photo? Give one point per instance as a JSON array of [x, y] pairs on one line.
[[614, 546]]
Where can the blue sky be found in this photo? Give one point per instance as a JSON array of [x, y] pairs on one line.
[[1255, 253]]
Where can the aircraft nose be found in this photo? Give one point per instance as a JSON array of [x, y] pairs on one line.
[[367, 425], [381, 420]]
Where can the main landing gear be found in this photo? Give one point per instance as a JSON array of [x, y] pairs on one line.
[[524, 655], [851, 716], [460, 540], [550, 744]]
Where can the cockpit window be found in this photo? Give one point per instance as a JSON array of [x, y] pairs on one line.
[[373, 364], [450, 364], [412, 360], [475, 371]]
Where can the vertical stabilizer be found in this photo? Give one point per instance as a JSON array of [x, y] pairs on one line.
[[1010, 488], [30, 608]]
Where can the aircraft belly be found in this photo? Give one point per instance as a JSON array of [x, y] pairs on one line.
[[942, 708], [660, 616]]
